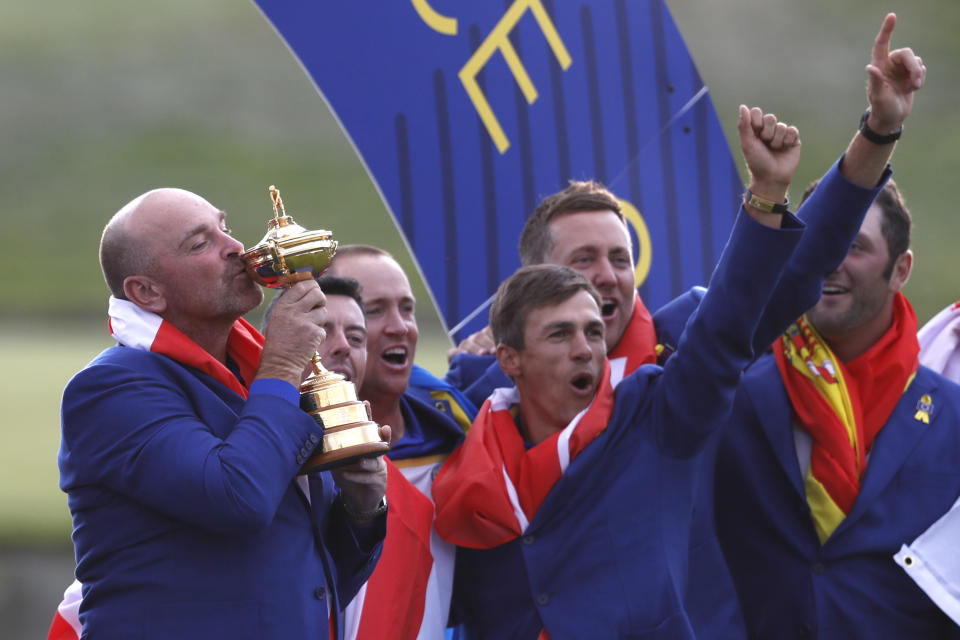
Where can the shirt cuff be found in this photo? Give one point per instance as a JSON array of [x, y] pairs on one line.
[[276, 387]]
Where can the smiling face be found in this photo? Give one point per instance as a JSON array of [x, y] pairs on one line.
[[857, 301], [197, 275], [597, 244], [392, 331], [344, 350], [559, 368]]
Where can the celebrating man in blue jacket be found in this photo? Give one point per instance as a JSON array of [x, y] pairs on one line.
[[572, 505], [182, 444]]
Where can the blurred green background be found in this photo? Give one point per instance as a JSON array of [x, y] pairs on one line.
[[104, 99]]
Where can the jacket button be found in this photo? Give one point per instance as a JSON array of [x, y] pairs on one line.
[[528, 540], [818, 568], [299, 459], [314, 439], [304, 452], [319, 593], [543, 599]]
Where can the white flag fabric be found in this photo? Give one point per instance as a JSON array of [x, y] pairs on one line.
[[933, 561], [940, 343]]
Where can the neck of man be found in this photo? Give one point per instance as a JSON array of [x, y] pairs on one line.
[[535, 425], [626, 327], [386, 411], [211, 337], [850, 345]]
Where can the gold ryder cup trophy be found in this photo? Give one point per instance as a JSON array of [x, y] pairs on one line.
[[288, 254]]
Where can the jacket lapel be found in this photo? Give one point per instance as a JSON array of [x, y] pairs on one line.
[[772, 409], [895, 443]]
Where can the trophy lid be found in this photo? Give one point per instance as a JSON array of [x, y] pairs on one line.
[[288, 252]]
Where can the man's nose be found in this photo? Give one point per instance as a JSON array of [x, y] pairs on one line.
[[394, 322], [580, 347], [232, 246], [336, 343], [604, 274]]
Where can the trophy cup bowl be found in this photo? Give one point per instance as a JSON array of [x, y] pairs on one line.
[[287, 254]]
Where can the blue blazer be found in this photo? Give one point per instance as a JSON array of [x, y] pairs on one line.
[[188, 522], [789, 585]]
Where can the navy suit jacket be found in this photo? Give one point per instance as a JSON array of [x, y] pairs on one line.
[[850, 587], [188, 522]]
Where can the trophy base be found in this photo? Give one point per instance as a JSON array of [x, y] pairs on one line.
[[348, 432], [333, 459]]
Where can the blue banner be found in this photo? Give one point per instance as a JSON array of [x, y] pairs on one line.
[[467, 114]]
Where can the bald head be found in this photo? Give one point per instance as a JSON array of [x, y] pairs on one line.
[[125, 249]]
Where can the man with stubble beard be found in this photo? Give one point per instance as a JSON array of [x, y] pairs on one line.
[[430, 415]]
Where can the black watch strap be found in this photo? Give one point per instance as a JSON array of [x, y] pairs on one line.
[[873, 136]]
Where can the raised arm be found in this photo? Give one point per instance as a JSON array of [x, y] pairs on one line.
[[892, 79], [696, 390], [835, 210]]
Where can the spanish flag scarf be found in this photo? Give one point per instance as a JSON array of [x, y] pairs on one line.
[[490, 488], [844, 405], [134, 327]]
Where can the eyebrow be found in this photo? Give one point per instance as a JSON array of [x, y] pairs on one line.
[[387, 298], [200, 228], [559, 324]]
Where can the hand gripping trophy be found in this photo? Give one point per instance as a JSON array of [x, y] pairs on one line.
[[287, 254]]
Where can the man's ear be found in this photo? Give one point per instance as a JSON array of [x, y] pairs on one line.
[[901, 270], [144, 292], [509, 360]]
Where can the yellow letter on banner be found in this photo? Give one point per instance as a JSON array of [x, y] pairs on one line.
[[643, 238], [436, 21], [498, 39]]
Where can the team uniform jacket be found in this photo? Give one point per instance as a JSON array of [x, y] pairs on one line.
[[792, 587], [188, 522], [832, 219], [606, 554]]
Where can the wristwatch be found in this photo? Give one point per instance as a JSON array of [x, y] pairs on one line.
[[873, 136], [365, 516]]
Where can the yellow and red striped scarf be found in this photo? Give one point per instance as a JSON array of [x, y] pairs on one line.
[[844, 405]]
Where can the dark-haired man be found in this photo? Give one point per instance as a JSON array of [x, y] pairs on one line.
[[430, 415], [181, 448], [381, 609], [859, 450]]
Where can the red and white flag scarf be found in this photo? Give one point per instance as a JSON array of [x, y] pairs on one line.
[[134, 327], [844, 405], [66, 620], [637, 345], [490, 488], [406, 560]]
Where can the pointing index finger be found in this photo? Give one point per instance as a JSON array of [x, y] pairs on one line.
[[881, 46]]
